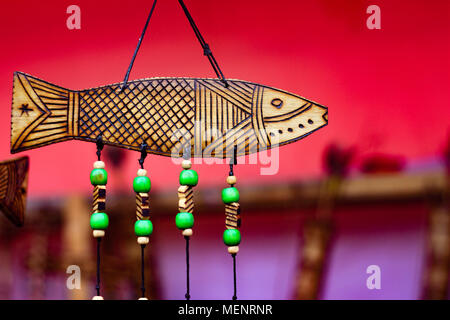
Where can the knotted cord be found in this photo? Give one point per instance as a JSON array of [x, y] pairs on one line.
[[206, 48]]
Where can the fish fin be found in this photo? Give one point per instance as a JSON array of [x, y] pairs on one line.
[[40, 113]]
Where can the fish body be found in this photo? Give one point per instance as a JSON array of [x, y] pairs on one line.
[[169, 115]]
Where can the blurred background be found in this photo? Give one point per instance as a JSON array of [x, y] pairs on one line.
[[371, 188]]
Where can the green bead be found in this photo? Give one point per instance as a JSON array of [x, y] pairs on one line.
[[141, 184], [230, 195], [184, 220], [99, 221], [188, 178], [99, 177], [143, 228], [232, 237]]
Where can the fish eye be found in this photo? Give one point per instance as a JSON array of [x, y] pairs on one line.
[[277, 103], [310, 121]]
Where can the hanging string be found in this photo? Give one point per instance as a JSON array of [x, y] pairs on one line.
[[234, 276], [142, 270], [206, 49], [187, 295], [143, 154], [100, 145], [127, 75], [233, 161], [97, 286]]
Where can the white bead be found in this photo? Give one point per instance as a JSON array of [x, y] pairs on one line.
[[187, 232], [98, 233], [143, 240], [186, 164], [98, 298], [231, 180], [233, 250], [99, 165], [143, 298], [142, 173]]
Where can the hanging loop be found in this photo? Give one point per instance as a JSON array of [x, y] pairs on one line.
[[206, 48]]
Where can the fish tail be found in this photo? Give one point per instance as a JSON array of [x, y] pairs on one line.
[[42, 113]]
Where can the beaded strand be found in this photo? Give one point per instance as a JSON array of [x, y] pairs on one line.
[[184, 220], [232, 235], [143, 227], [99, 219]]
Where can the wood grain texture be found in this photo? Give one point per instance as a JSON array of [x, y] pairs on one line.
[[142, 206], [186, 199], [232, 216], [169, 114], [99, 199], [13, 189]]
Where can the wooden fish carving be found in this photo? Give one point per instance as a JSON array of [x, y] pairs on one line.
[[13, 189], [168, 114]]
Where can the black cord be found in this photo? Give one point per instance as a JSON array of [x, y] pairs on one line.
[[187, 295], [143, 154], [234, 276], [127, 75], [142, 270], [100, 145], [97, 287], [206, 49], [233, 161]]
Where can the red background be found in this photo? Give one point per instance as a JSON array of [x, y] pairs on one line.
[[387, 90]]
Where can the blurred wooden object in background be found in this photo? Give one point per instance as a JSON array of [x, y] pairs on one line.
[[318, 230], [76, 237], [121, 255], [437, 271], [13, 189]]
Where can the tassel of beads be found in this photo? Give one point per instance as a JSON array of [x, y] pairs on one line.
[[143, 227], [184, 220], [99, 219], [232, 235]]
